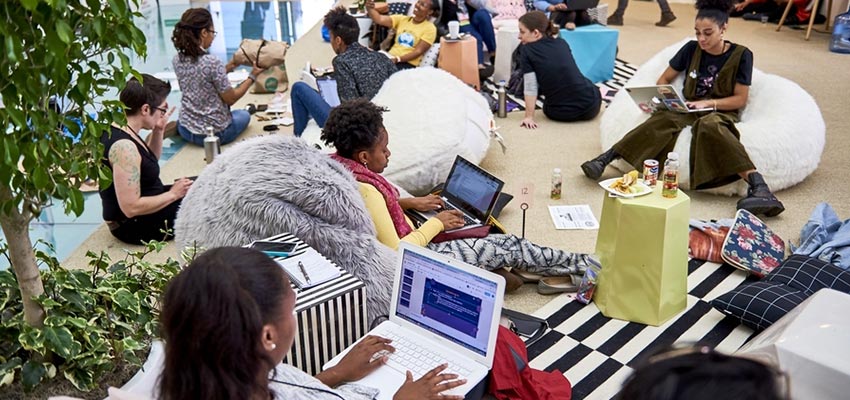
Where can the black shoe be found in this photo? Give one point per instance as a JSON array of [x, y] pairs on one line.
[[615, 20], [594, 168], [760, 200], [666, 18]]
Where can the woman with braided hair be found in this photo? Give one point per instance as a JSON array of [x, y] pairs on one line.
[[207, 94]]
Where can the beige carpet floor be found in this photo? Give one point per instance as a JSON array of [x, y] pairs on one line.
[[532, 154]]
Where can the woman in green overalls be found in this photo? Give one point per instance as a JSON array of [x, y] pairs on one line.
[[718, 74]]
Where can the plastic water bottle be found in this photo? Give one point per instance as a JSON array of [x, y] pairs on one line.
[[670, 177], [557, 181], [841, 34], [211, 145], [503, 100]]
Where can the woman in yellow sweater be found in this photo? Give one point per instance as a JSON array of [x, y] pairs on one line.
[[357, 131]]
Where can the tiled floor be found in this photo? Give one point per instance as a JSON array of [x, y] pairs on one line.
[[235, 20]]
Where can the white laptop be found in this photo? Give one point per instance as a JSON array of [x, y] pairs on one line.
[[660, 97], [442, 311], [470, 189]]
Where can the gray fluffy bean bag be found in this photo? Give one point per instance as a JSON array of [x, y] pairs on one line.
[[273, 184]]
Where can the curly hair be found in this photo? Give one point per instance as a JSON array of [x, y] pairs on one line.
[[537, 21], [212, 319], [342, 25], [353, 126], [150, 91], [187, 33], [715, 10]]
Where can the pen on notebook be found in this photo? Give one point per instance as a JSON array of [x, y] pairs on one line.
[[304, 272]]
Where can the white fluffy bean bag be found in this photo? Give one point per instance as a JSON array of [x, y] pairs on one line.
[[432, 118], [781, 127]]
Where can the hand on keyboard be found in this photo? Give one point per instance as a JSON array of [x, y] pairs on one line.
[[451, 219], [429, 386], [360, 361]]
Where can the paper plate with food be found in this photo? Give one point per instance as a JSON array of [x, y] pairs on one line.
[[627, 186]]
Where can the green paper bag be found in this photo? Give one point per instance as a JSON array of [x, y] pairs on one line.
[[643, 248], [272, 80]]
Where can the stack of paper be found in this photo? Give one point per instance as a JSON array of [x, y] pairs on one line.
[[309, 269]]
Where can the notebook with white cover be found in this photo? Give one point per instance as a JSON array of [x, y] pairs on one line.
[[315, 267], [447, 310]]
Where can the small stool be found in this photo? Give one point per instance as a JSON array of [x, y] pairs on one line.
[[643, 247], [507, 41], [460, 58], [594, 48]]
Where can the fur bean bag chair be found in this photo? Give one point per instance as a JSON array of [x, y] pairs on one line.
[[781, 126], [272, 184], [432, 117]]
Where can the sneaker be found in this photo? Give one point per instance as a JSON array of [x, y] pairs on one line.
[[615, 19], [666, 18], [570, 26]]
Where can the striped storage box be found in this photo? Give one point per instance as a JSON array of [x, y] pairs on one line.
[[331, 316]]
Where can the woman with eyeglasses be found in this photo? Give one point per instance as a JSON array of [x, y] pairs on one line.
[[700, 373], [136, 205], [207, 94]]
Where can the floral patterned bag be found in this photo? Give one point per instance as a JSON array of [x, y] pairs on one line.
[[751, 246]]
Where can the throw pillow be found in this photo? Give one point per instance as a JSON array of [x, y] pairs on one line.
[[508, 9], [760, 304]]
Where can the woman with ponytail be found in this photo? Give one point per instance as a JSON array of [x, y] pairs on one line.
[[207, 94], [228, 320], [548, 69], [718, 74]]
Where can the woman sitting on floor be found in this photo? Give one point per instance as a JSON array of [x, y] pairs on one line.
[[718, 78], [562, 16], [413, 35], [207, 94], [137, 207], [228, 321], [356, 129], [548, 68], [476, 22]]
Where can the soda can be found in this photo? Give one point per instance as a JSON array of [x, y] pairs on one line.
[[650, 172]]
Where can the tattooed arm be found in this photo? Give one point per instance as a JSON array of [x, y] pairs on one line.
[[126, 163]]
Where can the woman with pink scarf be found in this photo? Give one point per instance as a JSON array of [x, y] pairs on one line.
[[356, 130]]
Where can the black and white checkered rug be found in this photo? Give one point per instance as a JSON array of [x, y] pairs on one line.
[[623, 71], [597, 353]]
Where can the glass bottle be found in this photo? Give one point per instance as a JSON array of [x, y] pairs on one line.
[[557, 181], [671, 176]]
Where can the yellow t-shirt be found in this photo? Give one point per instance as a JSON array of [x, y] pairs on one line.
[[408, 34], [377, 207]]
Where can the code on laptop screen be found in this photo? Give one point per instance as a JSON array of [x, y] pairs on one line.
[[447, 301]]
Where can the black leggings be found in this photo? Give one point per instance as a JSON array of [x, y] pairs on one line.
[[556, 114], [148, 227], [578, 17]]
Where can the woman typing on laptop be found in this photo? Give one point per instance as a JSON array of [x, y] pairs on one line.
[[356, 130], [717, 76], [229, 320]]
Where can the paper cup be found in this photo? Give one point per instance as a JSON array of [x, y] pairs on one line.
[[454, 29]]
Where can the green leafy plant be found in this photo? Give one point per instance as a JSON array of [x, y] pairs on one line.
[[75, 51], [95, 319]]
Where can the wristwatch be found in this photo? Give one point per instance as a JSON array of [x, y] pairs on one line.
[[252, 77]]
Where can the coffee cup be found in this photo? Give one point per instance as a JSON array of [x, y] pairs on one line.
[[454, 29]]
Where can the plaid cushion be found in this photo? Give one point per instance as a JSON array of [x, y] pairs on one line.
[[759, 304], [809, 275]]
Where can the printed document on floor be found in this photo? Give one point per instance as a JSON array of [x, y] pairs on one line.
[[573, 217]]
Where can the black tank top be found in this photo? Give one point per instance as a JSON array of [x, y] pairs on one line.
[[149, 182]]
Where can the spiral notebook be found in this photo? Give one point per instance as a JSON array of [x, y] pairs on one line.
[[309, 269]]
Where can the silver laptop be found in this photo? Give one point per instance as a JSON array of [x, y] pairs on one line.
[[328, 91], [660, 97], [470, 189], [442, 311]]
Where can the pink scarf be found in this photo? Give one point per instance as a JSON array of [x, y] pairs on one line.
[[364, 175]]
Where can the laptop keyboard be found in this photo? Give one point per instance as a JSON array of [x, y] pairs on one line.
[[466, 219], [418, 359]]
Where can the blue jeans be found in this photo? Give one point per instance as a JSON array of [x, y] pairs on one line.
[[239, 120], [481, 27], [307, 103]]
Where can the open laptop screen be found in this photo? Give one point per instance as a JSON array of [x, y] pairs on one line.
[[473, 187], [328, 90], [448, 301]]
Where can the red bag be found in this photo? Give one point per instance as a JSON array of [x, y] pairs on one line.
[[512, 378]]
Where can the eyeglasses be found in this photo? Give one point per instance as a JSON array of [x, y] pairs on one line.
[[212, 31], [164, 110]]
